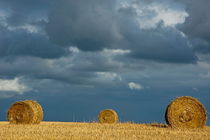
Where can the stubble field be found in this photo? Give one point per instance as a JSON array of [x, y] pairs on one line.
[[97, 131]]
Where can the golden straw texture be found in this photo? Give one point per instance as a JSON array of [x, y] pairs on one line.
[[25, 112], [186, 112], [108, 116]]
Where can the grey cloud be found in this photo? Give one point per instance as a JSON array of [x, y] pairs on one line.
[[26, 4], [37, 68], [197, 25], [92, 26], [198, 22], [163, 44], [17, 37], [56, 75], [160, 45], [24, 11], [201, 46], [22, 43], [76, 69], [7, 94]]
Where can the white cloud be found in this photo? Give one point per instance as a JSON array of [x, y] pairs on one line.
[[205, 67], [27, 27], [110, 76], [74, 49], [115, 51], [136, 86], [13, 85], [195, 89], [205, 75], [170, 17], [151, 14], [3, 17], [30, 28]]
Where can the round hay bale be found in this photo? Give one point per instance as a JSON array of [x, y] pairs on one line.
[[108, 116], [25, 112], [186, 112]]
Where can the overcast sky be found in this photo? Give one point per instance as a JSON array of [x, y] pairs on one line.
[[77, 57]]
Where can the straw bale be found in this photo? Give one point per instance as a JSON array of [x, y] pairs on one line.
[[25, 112], [186, 112], [108, 116]]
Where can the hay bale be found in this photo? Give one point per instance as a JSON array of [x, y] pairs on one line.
[[186, 112], [108, 116], [25, 112]]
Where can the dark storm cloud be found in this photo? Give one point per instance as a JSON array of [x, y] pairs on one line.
[[160, 44], [114, 50], [37, 68], [77, 69], [28, 5], [21, 30], [19, 42], [94, 25], [90, 25], [24, 11], [197, 25], [201, 46]]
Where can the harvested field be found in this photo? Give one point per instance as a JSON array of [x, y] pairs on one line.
[[97, 131]]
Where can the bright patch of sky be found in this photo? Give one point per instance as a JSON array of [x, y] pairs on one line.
[[135, 86], [3, 16], [13, 85], [27, 27], [150, 15], [110, 76]]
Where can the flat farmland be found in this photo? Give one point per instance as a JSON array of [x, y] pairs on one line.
[[97, 131]]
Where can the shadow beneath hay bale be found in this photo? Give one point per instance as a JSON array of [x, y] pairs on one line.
[[159, 125]]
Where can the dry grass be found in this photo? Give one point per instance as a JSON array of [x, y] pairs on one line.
[[25, 112], [97, 131], [108, 116], [186, 112]]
